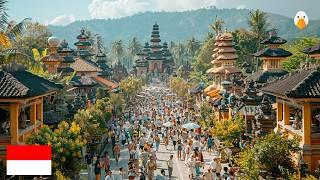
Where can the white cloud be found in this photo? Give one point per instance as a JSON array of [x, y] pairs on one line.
[[62, 20], [122, 8], [241, 6]]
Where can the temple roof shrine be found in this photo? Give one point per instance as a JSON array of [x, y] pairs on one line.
[[154, 58]]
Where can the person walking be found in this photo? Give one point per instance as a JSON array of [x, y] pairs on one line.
[[89, 160], [179, 149], [106, 162], [97, 168], [174, 140], [151, 167], [157, 141], [170, 166], [166, 142], [209, 143], [116, 152]]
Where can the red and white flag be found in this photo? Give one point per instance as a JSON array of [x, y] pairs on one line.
[[28, 160]]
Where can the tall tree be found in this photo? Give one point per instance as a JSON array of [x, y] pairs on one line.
[[217, 25], [178, 53], [134, 47], [258, 24], [191, 47], [117, 50]]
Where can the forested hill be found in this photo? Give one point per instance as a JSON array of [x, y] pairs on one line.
[[177, 26]]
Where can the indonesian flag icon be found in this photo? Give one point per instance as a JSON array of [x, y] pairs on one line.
[[28, 160]]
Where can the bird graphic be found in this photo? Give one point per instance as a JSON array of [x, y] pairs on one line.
[[301, 20]]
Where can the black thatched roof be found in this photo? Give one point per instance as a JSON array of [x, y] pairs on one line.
[[82, 81], [197, 89], [274, 52], [273, 40], [312, 50], [301, 84], [265, 76], [23, 84]]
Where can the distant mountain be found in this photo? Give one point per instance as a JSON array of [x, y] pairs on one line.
[[177, 26]]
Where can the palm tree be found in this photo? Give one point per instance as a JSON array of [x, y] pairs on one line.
[[258, 23], [178, 53], [117, 50], [217, 25], [191, 47], [133, 48]]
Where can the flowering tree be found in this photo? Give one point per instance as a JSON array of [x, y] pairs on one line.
[[66, 142]]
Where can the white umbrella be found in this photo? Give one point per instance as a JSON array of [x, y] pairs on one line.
[[168, 124], [191, 126]]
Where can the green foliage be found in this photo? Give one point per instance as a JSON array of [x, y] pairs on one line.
[[246, 45], [179, 86], [66, 143], [229, 130], [258, 24], [100, 93], [117, 101], [293, 62], [274, 151], [249, 165], [204, 58], [130, 87]]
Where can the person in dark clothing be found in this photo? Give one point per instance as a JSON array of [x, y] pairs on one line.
[[97, 168]]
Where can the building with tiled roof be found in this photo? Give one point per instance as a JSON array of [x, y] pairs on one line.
[[68, 57], [53, 60], [83, 44], [298, 110], [85, 67], [273, 57], [223, 58], [154, 59], [22, 96]]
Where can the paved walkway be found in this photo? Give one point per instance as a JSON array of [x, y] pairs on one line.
[[180, 171]]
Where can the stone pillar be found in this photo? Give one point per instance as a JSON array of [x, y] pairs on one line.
[[33, 114], [279, 111], [306, 124], [14, 120], [286, 114]]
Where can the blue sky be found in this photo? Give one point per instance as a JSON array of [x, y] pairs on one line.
[[62, 12]]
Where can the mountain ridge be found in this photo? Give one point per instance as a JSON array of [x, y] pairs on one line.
[[178, 26]]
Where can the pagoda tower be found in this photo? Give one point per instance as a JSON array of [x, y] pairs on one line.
[[67, 55], [272, 57], [155, 57], [83, 45], [141, 64], [53, 60], [101, 59], [224, 58], [168, 63]]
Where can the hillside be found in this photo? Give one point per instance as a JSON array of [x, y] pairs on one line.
[[177, 26]]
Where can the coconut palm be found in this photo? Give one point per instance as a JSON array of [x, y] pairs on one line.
[[192, 46], [178, 53], [117, 50], [258, 23], [217, 25], [133, 48]]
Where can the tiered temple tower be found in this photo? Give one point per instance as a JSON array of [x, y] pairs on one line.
[[83, 45], [53, 60], [224, 59], [141, 64], [272, 57], [155, 57], [67, 55]]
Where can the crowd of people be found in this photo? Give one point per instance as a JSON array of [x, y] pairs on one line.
[[156, 118]]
